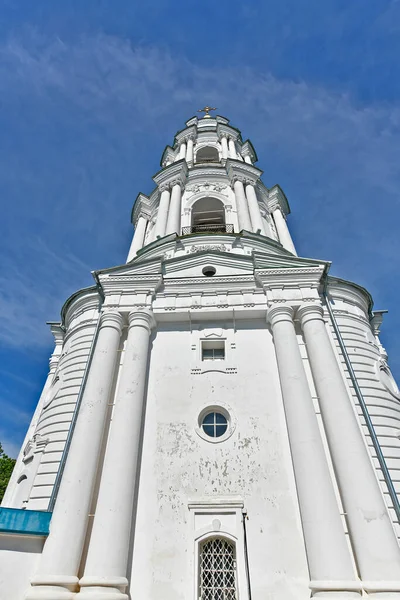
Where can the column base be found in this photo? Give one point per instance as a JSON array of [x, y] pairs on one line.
[[106, 588], [55, 587], [387, 590], [340, 590]]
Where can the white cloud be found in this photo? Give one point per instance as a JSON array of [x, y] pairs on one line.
[[340, 159]]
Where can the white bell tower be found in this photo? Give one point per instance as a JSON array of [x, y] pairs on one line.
[[219, 421]]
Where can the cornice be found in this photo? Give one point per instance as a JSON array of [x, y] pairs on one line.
[[139, 281], [206, 172], [184, 134], [279, 255], [277, 199], [350, 292], [291, 280], [214, 283], [168, 154], [205, 124], [81, 297], [288, 271], [228, 131], [242, 171], [142, 266], [176, 171], [141, 207], [377, 320], [192, 121], [222, 120], [58, 331], [248, 150]]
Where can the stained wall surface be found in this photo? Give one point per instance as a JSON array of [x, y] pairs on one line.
[[179, 467]]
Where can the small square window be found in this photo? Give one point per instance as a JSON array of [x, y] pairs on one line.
[[213, 350]]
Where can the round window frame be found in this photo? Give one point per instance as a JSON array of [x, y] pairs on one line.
[[209, 271], [226, 411]]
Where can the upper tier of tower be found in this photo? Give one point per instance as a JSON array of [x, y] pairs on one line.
[[208, 140], [208, 184]]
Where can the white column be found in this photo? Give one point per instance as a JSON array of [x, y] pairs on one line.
[[162, 214], [232, 149], [189, 151], [283, 232], [328, 556], [182, 150], [247, 159], [56, 578], [373, 538], [224, 147], [241, 206], [138, 237], [107, 559], [254, 209], [174, 215]]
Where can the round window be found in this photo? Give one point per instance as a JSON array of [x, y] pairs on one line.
[[214, 424], [209, 271]]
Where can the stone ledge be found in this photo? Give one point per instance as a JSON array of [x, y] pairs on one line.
[[25, 522]]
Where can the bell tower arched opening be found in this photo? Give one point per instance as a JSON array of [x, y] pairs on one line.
[[207, 154], [208, 215]]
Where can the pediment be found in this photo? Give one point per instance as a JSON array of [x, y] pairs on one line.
[[134, 267], [238, 265], [192, 265], [267, 260]]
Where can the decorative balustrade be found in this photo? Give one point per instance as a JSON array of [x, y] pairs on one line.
[[212, 228]]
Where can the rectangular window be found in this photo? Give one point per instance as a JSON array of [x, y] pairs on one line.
[[213, 350]]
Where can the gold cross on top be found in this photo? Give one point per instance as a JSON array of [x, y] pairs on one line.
[[206, 110]]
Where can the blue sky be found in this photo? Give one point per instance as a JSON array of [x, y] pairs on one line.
[[90, 94]]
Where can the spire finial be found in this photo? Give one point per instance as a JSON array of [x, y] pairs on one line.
[[206, 110]]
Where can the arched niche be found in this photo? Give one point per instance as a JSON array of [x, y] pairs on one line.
[[21, 493], [207, 154], [208, 215]]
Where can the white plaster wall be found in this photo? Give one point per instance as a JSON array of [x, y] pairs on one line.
[[254, 464], [19, 559]]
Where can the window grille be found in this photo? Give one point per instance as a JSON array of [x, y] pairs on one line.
[[213, 354], [212, 350], [217, 570]]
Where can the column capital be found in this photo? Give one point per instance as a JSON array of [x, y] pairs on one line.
[[111, 317], [310, 312], [275, 207], [282, 312], [140, 207], [142, 215], [141, 317], [175, 182], [277, 199]]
